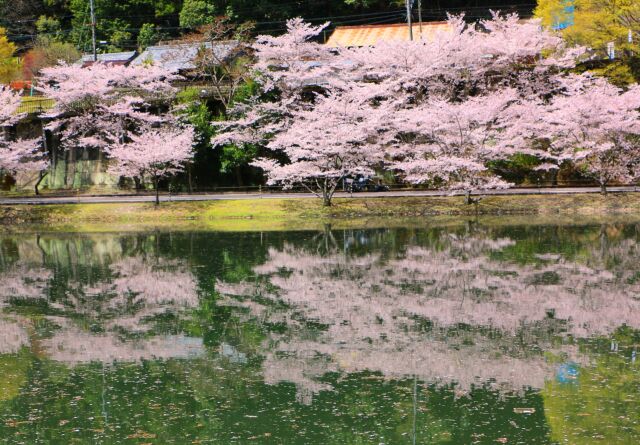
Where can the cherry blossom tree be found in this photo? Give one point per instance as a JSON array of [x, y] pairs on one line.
[[99, 105], [454, 113], [121, 110], [589, 122], [448, 144], [598, 125], [445, 102], [153, 154], [295, 69], [324, 144], [21, 155]]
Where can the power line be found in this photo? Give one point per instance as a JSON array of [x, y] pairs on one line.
[[372, 18], [357, 18]]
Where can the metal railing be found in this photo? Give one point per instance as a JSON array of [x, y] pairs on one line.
[[35, 104], [264, 189]]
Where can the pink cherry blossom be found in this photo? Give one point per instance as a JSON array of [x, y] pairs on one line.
[[324, 144], [23, 155], [9, 103], [72, 86], [436, 112], [154, 154], [589, 122], [17, 155], [447, 144]]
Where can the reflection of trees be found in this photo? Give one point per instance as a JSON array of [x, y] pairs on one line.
[[138, 290], [419, 333], [21, 281], [72, 345], [603, 394], [449, 312], [102, 296], [12, 337]]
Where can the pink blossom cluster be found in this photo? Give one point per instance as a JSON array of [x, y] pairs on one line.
[[434, 112], [73, 87], [124, 111], [155, 153], [374, 305], [17, 155]]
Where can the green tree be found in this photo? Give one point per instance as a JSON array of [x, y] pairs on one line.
[[148, 36], [9, 65], [49, 27], [18, 17], [201, 171], [596, 23], [196, 13], [119, 22], [120, 38]]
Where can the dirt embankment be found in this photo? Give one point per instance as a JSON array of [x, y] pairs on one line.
[[268, 214]]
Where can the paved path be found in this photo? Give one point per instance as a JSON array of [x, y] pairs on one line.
[[83, 199]]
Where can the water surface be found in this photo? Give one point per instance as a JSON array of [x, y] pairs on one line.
[[465, 334]]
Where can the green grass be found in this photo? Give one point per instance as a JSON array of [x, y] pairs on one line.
[[279, 214], [13, 368]]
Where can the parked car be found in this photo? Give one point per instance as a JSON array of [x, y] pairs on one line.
[[364, 184]]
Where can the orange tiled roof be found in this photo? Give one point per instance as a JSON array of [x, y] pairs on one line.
[[20, 85], [369, 35]]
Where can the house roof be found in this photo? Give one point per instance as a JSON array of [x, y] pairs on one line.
[[369, 35], [110, 58], [179, 57]]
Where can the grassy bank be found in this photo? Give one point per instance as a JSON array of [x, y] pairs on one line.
[[276, 214]]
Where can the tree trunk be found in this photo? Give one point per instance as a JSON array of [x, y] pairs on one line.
[[44, 144], [326, 195], [155, 183], [603, 242], [42, 176], [467, 197], [603, 188]]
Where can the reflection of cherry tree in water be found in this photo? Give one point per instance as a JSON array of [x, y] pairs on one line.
[[449, 312], [13, 337], [22, 281], [141, 290], [425, 375], [103, 303]]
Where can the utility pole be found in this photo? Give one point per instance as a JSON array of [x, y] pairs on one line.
[[420, 17], [93, 30], [409, 4]]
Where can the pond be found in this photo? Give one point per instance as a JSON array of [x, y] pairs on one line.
[[470, 332]]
